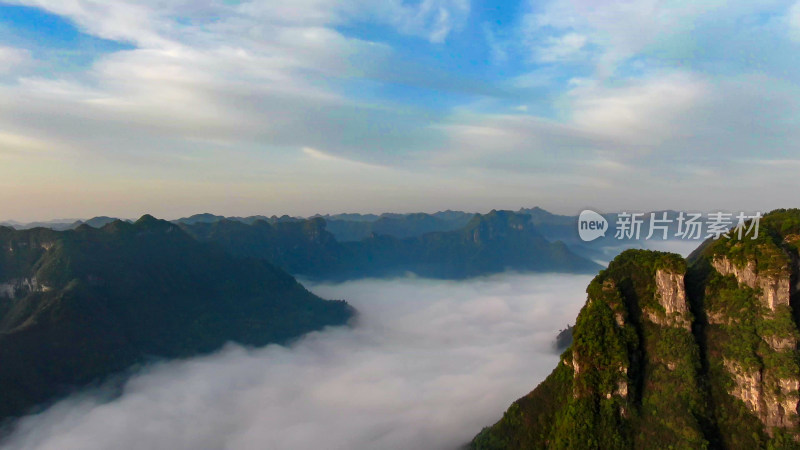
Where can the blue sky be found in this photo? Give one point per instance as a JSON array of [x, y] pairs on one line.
[[265, 107]]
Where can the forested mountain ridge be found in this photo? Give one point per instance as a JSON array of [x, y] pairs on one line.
[[670, 353], [488, 243], [79, 305]]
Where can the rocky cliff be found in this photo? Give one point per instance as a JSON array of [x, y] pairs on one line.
[[675, 354]]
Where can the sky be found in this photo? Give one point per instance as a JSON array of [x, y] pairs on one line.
[[427, 366], [172, 107]]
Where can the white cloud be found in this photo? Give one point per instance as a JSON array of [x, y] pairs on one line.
[[12, 59], [402, 378], [253, 74], [318, 155], [644, 112], [640, 116], [14, 143], [433, 19], [654, 131], [620, 29], [793, 19], [209, 83], [562, 48], [496, 46], [237, 79], [122, 20], [298, 12], [540, 78]]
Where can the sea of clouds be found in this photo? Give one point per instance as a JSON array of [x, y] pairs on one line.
[[426, 366]]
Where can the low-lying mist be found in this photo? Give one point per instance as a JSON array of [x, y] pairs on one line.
[[426, 366]]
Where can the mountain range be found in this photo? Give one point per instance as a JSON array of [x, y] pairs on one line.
[[486, 244], [353, 227], [77, 306], [83, 300], [94, 299]]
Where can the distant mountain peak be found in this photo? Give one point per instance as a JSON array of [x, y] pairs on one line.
[[146, 219]]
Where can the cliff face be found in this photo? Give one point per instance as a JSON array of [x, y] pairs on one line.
[[669, 354], [774, 288], [752, 330], [671, 297]]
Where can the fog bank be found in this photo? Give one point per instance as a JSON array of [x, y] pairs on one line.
[[427, 365]]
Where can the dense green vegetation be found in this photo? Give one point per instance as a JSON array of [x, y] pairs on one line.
[[681, 384], [609, 392], [104, 299]]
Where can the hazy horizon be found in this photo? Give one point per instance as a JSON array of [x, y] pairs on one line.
[[563, 212]]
